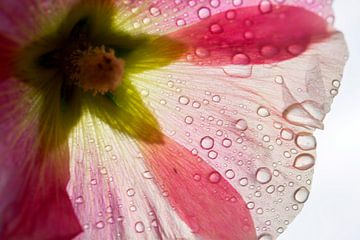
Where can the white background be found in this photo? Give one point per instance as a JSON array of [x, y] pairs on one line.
[[333, 209]]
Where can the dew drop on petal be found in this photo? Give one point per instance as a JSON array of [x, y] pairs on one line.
[[265, 237], [243, 181], [305, 141], [301, 194], [139, 227], [269, 51], [216, 28], [287, 134], [207, 142], [214, 177], [230, 174], [297, 115], [304, 162], [189, 120], [184, 100], [100, 225], [263, 112], [263, 175], [227, 142], [202, 52], [240, 59], [241, 124], [130, 192], [204, 12], [265, 6]]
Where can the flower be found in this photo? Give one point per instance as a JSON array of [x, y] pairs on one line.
[[161, 119]]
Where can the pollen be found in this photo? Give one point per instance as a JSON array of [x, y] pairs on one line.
[[97, 69]]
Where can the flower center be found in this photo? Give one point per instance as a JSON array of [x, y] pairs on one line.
[[96, 69]]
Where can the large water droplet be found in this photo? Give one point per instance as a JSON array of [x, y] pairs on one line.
[[301, 194], [304, 162], [214, 177], [207, 142], [298, 115], [139, 227], [241, 124], [263, 112], [305, 141], [263, 175], [265, 237]]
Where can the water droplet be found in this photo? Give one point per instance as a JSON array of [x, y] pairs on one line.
[[240, 59], [202, 52], [79, 200], [216, 28], [279, 79], [184, 100], [100, 225], [227, 142], [304, 162], [265, 6], [230, 174], [298, 115], [301, 195], [238, 71], [214, 177], [108, 148], [270, 189], [243, 181], [212, 154], [189, 120], [287, 134], [130, 192], [263, 175], [207, 142], [154, 11], [204, 12], [263, 112], [336, 83], [241, 124], [139, 227], [269, 51], [305, 141], [197, 177], [147, 175], [250, 205]]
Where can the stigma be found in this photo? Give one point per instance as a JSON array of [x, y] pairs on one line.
[[96, 69]]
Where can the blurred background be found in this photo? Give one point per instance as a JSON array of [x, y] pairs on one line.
[[333, 209]]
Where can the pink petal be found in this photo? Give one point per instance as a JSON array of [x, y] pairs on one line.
[[252, 124], [202, 197], [34, 203], [163, 17], [7, 50], [112, 191], [252, 37]]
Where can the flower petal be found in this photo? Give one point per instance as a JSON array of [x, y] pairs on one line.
[[252, 37], [163, 17], [113, 192], [32, 184], [201, 196], [7, 50], [253, 124]]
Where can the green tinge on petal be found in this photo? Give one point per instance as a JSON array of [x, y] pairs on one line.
[[125, 111], [41, 64]]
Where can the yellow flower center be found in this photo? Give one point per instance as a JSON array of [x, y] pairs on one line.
[[97, 69]]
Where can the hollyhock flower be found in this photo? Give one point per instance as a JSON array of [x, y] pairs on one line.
[[161, 119]]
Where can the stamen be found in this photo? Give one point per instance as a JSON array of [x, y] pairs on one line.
[[97, 70]]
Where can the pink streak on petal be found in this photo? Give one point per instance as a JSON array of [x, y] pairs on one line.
[[246, 36], [202, 197]]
